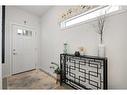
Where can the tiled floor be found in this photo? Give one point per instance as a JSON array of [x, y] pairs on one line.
[[35, 79]]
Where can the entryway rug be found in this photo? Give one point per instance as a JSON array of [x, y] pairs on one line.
[[35, 79]]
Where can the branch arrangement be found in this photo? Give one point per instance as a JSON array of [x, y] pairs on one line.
[[100, 25]]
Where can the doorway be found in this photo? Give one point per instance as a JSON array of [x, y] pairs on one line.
[[23, 49]]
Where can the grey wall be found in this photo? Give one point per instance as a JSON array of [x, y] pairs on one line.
[[52, 39]]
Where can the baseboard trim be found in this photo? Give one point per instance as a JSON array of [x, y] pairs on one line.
[[23, 72], [47, 73]]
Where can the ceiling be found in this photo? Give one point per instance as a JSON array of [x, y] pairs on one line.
[[37, 10]]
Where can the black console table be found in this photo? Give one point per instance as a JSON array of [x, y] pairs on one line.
[[83, 72]]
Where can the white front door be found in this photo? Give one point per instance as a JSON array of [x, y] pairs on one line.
[[23, 49]]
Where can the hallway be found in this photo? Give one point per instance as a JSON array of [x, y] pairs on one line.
[[84, 44]]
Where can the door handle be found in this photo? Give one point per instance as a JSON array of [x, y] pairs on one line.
[[14, 53]]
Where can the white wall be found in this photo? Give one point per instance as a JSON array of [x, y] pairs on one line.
[[15, 15], [52, 39], [116, 50], [0, 47]]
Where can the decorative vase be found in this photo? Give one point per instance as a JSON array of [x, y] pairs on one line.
[[101, 50], [65, 48], [77, 53]]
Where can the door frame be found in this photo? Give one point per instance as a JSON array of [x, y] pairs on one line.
[[11, 42]]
